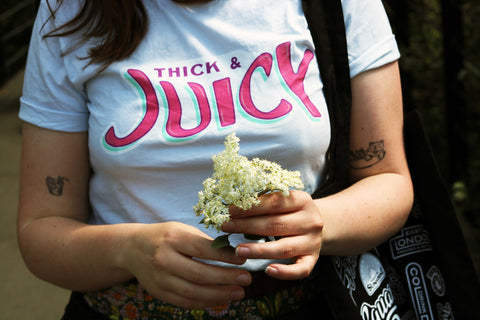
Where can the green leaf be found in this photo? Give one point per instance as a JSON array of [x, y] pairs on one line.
[[221, 242]]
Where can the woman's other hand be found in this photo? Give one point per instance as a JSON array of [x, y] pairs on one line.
[[296, 219], [161, 256]]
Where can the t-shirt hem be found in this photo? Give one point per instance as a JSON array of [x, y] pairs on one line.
[[53, 119], [381, 54]]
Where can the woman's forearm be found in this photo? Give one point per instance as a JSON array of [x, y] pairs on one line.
[[74, 255], [364, 215]]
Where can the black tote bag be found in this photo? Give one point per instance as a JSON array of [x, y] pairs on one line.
[[425, 270]]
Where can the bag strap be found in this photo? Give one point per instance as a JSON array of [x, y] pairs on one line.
[[327, 26]]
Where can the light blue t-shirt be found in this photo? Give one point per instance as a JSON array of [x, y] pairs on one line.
[[154, 120]]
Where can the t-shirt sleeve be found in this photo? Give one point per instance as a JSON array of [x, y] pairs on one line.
[[371, 43], [51, 99]]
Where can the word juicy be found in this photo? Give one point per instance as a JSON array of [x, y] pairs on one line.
[[223, 95]]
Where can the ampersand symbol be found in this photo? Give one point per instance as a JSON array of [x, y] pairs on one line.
[[235, 63]]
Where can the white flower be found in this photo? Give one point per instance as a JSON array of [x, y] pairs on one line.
[[238, 181]]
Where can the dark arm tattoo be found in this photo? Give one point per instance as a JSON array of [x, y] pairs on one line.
[[361, 159], [55, 185]]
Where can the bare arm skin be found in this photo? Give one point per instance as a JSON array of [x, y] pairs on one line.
[[60, 247], [378, 203], [353, 220]]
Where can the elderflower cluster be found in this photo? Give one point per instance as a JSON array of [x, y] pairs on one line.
[[238, 181]]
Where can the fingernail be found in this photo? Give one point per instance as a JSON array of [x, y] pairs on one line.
[[271, 271], [237, 294], [242, 251]]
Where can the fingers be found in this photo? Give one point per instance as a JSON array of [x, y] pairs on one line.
[[182, 246], [277, 215], [206, 286], [205, 251], [191, 242], [182, 293], [188, 283], [303, 250], [275, 225], [165, 263], [296, 219], [299, 270], [285, 248], [274, 202], [202, 273], [202, 297]]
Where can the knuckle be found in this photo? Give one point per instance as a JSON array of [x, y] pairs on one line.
[[317, 224], [170, 235], [159, 261], [276, 228], [276, 199], [199, 249], [288, 252], [300, 197], [196, 275]]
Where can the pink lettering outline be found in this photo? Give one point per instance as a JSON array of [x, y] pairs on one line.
[[225, 105], [173, 124], [295, 80], [265, 62], [149, 119]]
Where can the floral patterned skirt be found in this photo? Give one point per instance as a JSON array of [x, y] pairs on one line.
[[131, 301]]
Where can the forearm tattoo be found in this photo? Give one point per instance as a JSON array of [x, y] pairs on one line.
[[366, 158], [55, 185]]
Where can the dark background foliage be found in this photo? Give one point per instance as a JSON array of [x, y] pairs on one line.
[[440, 45], [440, 64]]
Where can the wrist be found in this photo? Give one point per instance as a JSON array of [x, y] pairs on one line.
[[125, 249]]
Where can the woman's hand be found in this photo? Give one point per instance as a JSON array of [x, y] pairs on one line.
[[161, 257], [296, 219]]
